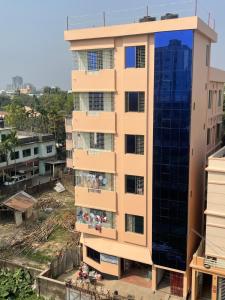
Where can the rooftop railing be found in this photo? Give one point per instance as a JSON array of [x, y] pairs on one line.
[[157, 9]]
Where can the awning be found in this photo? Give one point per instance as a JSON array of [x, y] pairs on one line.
[[123, 250], [57, 162]]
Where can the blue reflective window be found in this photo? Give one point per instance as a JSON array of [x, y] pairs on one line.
[[92, 60], [135, 57], [130, 57], [172, 107]]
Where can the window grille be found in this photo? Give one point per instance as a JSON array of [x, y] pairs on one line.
[[69, 154], [135, 101], [97, 141], [134, 224], [94, 60], [140, 56], [94, 101], [134, 184], [134, 144]]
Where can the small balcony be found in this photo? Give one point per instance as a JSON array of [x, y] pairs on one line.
[[99, 199], [101, 80], [97, 121], [68, 125], [95, 160], [95, 181], [96, 222]]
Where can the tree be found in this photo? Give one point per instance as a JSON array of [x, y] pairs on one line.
[[17, 116], [13, 142]]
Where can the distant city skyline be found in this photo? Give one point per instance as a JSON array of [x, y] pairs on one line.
[[33, 45]]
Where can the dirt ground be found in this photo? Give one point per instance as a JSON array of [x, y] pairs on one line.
[[51, 206]]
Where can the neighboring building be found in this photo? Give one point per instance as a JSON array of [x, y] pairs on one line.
[[138, 143], [17, 83], [208, 264], [33, 155]]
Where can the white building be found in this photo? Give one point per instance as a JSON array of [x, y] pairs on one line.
[[31, 156]]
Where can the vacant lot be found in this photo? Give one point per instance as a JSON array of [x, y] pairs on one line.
[[39, 240]]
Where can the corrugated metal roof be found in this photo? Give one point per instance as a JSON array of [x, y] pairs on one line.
[[20, 202]]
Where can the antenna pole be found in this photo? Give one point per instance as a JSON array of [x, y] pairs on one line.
[[104, 18], [67, 23], [196, 7], [147, 10]]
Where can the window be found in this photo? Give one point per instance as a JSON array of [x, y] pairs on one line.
[[15, 155], [49, 148], [208, 136], [95, 61], [68, 153], [210, 99], [2, 158], [218, 131], [26, 152], [135, 101], [97, 141], [135, 57], [207, 55], [69, 136], [134, 144], [36, 150], [96, 102], [94, 255], [220, 98], [134, 184], [134, 224]]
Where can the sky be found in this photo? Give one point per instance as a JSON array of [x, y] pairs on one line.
[[31, 32]]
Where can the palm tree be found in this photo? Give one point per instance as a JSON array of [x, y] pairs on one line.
[[13, 143], [5, 149]]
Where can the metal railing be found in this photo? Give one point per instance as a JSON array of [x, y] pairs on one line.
[[156, 8]]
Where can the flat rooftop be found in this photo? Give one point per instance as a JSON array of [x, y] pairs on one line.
[[219, 154], [138, 28]]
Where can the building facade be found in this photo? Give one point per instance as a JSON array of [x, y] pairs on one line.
[[208, 264], [30, 157], [137, 141]]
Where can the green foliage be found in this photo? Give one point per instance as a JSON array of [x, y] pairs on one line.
[[47, 113], [39, 257], [16, 285]]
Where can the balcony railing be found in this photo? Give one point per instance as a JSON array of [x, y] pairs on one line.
[[94, 102], [95, 218], [95, 181]]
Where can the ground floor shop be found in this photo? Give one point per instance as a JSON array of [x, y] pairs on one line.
[[130, 263]]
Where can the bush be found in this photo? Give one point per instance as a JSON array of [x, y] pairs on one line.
[[16, 285]]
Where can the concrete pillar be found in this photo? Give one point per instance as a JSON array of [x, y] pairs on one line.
[[154, 278], [214, 287], [193, 284], [185, 286]]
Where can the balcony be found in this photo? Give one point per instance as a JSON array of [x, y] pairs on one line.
[[69, 144], [68, 124], [102, 161], [69, 163], [99, 199], [98, 121], [96, 222], [102, 80]]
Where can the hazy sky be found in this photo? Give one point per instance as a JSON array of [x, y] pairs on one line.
[[31, 33]]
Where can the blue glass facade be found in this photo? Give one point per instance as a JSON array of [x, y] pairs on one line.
[[171, 144]]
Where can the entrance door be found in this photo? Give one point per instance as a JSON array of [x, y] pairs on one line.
[[176, 284], [221, 289]]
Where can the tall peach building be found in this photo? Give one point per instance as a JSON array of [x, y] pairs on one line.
[[147, 112]]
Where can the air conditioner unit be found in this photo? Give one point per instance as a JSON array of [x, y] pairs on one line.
[[168, 16]]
